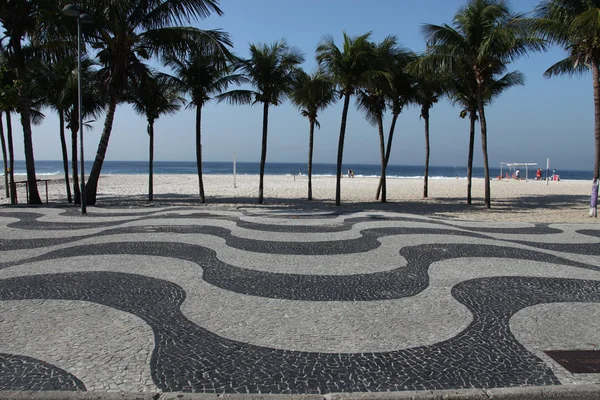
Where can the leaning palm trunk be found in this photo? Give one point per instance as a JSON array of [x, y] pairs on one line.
[[472, 118], [388, 151], [310, 156], [595, 74], [382, 154], [426, 174], [11, 159], [76, 191], [263, 154], [151, 160], [338, 182], [92, 184], [65, 157], [483, 123], [199, 150], [4, 158]]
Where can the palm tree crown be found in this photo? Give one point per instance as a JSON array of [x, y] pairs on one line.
[[312, 93], [271, 70]]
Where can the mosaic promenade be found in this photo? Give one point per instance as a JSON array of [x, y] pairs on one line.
[[274, 301]]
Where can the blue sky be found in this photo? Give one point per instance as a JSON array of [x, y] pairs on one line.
[[546, 118]]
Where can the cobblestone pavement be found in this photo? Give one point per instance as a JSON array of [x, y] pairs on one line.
[[280, 301]]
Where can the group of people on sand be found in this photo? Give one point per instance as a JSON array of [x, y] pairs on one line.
[[350, 173], [538, 174]]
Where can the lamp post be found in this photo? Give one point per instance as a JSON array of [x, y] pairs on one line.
[[73, 10]]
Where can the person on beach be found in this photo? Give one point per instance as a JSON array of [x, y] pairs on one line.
[[518, 174], [350, 173], [538, 175]]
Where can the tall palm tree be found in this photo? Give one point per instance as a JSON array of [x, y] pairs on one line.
[[462, 92], [401, 92], [53, 79], [129, 32], [311, 94], [4, 87], [575, 26], [485, 36], [428, 89], [152, 96], [202, 75], [21, 21], [4, 157], [373, 93], [348, 68], [93, 106], [271, 70]]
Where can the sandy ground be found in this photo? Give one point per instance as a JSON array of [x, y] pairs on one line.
[[528, 201]]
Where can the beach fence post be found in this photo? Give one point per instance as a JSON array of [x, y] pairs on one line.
[[234, 186], [547, 169], [594, 200]]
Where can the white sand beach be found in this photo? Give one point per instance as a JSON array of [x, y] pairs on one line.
[[527, 201]]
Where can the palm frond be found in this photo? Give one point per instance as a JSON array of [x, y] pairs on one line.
[[238, 97], [567, 66]]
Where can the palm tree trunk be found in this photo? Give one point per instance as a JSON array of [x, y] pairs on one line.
[[74, 163], [263, 154], [4, 158], [483, 124], [310, 156], [473, 117], [388, 150], [63, 146], [25, 111], [425, 114], [11, 159], [382, 154], [199, 150], [92, 184], [595, 74], [338, 181], [151, 160], [34, 196]]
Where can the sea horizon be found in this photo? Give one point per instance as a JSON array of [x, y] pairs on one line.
[[55, 168]]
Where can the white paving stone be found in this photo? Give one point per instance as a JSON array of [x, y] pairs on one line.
[[99, 345]]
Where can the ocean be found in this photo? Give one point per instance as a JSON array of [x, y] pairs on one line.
[[49, 168]]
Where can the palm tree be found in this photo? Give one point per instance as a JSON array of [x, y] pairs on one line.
[[4, 87], [93, 106], [348, 68], [202, 75], [400, 93], [311, 94], [575, 26], [127, 33], [428, 89], [21, 22], [485, 36], [4, 157], [462, 92], [372, 96], [152, 96], [271, 70], [53, 79]]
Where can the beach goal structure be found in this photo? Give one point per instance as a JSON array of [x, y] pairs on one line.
[[512, 167]]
